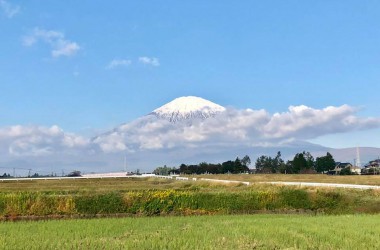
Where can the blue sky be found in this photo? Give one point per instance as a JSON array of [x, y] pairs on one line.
[[56, 59]]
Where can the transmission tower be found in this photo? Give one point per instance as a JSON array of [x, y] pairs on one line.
[[358, 157]]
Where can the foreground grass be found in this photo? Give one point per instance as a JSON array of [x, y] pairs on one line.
[[197, 232]]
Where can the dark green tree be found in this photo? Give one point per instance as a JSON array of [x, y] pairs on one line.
[[287, 168], [228, 167], [267, 164], [325, 163], [264, 164], [239, 167], [246, 161], [303, 163], [277, 163], [309, 160], [299, 163], [163, 170]]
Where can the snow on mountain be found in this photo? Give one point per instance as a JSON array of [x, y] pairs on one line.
[[187, 107]]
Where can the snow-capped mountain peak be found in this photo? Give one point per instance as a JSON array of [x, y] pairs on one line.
[[188, 107]]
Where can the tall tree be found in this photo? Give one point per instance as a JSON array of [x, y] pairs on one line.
[[324, 163], [267, 164], [239, 167], [287, 168], [330, 162], [309, 160], [246, 161], [228, 167], [264, 164], [278, 163], [299, 163]]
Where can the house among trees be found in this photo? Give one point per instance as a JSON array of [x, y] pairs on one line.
[[373, 167], [342, 166], [356, 170]]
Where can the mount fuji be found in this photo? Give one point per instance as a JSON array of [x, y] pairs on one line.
[[188, 108], [192, 129], [169, 126], [186, 130]]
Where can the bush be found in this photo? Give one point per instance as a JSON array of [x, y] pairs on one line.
[[345, 171], [108, 203], [295, 198]]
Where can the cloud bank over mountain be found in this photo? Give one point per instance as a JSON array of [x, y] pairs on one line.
[[231, 126], [198, 124]]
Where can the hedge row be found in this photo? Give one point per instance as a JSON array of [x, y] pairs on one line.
[[158, 202]]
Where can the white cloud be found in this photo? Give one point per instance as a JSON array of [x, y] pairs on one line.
[[236, 127], [9, 9], [148, 140], [65, 48], [60, 46], [306, 123], [153, 61], [118, 63], [112, 143], [39, 141]]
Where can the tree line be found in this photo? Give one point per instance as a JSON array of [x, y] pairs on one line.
[[302, 163], [233, 167]]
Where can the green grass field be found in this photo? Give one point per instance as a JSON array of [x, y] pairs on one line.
[[353, 229], [197, 232]]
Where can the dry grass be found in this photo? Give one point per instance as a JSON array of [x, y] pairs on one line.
[[123, 184], [321, 178], [88, 185]]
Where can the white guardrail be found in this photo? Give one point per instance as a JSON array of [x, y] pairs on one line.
[[84, 177]]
